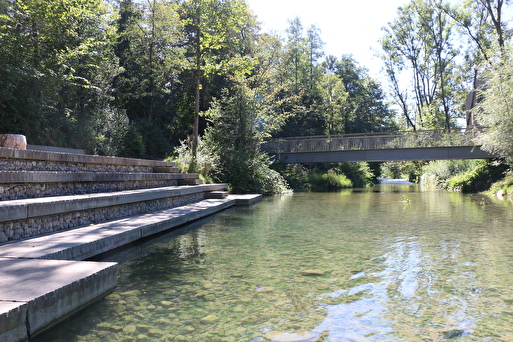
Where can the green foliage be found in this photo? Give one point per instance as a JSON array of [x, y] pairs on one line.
[[214, 30], [132, 143], [442, 170], [52, 89], [365, 109], [462, 175], [419, 42], [495, 111], [328, 181], [360, 173], [505, 184], [206, 162], [329, 176], [468, 180], [410, 170], [236, 132], [296, 176]]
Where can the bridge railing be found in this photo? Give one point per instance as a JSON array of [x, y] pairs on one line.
[[372, 141]]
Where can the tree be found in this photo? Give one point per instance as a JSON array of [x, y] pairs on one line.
[[394, 65], [239, 123], [334, 103], [420, 40], [300, 75], [495, 111], [365, 109], [150, 52], [214, 34], [52, 88], [482, 23]]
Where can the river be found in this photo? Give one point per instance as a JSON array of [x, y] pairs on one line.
[[390, 263]]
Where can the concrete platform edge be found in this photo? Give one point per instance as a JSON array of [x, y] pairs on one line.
[[22, 319], [29, 305]]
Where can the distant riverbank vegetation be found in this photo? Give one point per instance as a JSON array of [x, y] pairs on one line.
[[196, 81]]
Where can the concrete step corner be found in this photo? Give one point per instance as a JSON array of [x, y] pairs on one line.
[[193, 181], [216, 194]]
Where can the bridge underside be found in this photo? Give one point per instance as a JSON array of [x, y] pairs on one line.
[[399, 154]]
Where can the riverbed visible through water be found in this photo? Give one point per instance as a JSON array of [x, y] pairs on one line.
[[389, 263]]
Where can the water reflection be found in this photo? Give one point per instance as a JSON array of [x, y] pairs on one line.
[[387, 264]]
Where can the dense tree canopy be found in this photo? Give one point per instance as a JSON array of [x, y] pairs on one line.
[[136, 77], [436, 52]]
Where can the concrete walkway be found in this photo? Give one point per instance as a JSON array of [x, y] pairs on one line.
[[43, 282]]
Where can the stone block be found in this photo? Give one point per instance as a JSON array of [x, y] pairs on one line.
[[216, 194], [214, 187], [246, 200], [6, 152], [55, 149], [13, 323], [163, 222], [13, 210], [16, 141], [165, 169], [54, 289], [191, 181], [90, 241]]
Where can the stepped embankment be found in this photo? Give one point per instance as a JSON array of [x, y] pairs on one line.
[[59, 208]]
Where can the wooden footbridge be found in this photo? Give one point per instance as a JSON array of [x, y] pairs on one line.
[[378, 147]]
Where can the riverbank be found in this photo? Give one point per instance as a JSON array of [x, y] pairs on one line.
[[59, 208], [37, 291]]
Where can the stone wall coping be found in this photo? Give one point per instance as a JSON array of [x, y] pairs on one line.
[[36, 207], [10, 177], [11, 153], [55, 149]]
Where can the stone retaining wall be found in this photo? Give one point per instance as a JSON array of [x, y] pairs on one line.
[[23, 191], [20, 229], [30, 160], [45, 165]]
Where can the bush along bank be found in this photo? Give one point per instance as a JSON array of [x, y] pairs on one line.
[[467, 176], [327, 177], [504, 186]]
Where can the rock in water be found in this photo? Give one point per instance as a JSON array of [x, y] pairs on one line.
[[313, 273], [209, 319]]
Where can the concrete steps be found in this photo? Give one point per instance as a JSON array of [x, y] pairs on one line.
[[85, 242], [42, 281], [37, 207], [34, 174], [29, 217], [217, 194], [59, 207]]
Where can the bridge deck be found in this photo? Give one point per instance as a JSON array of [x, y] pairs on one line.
[[393, 146]]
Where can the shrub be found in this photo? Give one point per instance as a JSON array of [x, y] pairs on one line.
[[230, 149], [205, 160], [478, 178], [329, 181], [436, 173], [505, 184], [132, 144]]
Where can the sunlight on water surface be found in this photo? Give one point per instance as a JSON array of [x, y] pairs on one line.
[[390, 263]]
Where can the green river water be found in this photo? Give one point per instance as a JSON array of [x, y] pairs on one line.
[[390, 263]]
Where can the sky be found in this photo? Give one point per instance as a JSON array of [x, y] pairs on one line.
[[347, 26]]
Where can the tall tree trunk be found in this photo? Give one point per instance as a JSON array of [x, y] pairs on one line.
[[195, 132]]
